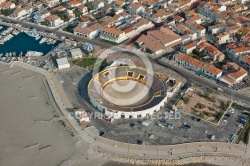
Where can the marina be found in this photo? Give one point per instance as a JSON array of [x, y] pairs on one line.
[[18, 42]]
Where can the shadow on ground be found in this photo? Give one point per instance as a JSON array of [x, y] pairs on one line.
[[83, 86]]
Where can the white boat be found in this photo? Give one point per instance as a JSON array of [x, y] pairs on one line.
[[54, 41], [15, 32], [38, 37], [32, 33], [1, 27], [33, 54], [44, 39], [49, 41]]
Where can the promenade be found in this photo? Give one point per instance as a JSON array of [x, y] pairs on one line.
[[57, 32], [100, 145], [22, 28]]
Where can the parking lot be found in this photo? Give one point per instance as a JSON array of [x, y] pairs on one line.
[[75, 81]]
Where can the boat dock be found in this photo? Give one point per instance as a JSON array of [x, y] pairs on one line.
[[19, 27]]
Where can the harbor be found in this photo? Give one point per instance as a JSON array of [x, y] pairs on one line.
[[17, 41], [26, 45]]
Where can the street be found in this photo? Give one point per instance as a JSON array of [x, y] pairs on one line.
[[57, 32]]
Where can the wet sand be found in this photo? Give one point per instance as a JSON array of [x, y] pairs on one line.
[[29, 132], [120, 164]]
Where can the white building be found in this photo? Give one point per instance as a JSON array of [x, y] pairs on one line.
[[188, 48], [223, 38], [198, 66], [135, 8], [200, 30], [63, 63], [19, 12], [235, 51], [54, 20], [88, 30], [113, 35], [218, 28], [76, 53]]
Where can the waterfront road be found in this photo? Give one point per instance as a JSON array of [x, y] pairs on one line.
[[55, 31]]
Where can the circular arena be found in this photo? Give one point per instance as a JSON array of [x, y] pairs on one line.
[[127, 92]]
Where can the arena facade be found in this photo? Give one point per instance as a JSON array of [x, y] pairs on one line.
[[127, 92]]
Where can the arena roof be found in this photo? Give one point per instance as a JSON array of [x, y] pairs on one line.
[[127, 88]]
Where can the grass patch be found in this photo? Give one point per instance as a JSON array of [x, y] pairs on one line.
[[218, 116], [86, 62], [224, 105], [77, 13], [6, 12], [197, 55], [244, 133], [185, 100]]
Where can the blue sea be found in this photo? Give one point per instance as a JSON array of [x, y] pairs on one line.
[[24, 43]]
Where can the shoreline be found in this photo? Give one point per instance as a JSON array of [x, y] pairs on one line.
[[181, 162]]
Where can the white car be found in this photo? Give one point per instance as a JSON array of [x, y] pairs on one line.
[[170, 126], [212, 137], [161, 125], [224, 120], [240, 125]]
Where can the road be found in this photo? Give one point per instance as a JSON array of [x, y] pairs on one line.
[[205, 82], [55, 31], [233, 94]]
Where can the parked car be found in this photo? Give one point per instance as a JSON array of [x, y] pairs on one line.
[[212, 137], [195, 119], [186, 126], [170, 126], [160, 125]]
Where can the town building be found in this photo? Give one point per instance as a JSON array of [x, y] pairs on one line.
[[215, 29], [63, 63], [245, 60], [209, 50], [158, 40], [200, 30], [188, 48], [76, 53], [54, 20], [198, 66], [90, 31], [234, 72], [113, 35], [223, 38], [236, 50]]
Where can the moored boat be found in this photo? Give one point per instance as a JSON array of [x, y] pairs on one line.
[[44, 39], [33, 54]]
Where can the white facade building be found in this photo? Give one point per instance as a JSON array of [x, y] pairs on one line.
[[63, 63], [76, 53]]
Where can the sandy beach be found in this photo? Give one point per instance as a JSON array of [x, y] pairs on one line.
[[29, 132]]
